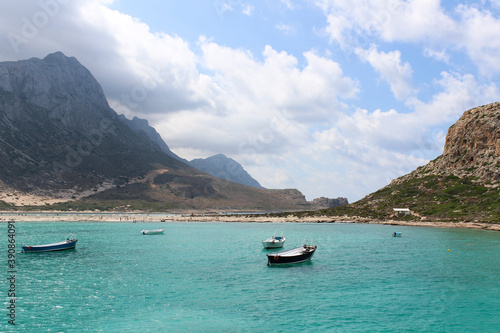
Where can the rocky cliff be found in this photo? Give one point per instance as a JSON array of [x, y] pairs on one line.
[[472, 148]]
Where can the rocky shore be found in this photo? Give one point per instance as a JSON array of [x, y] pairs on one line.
[[217, 217]]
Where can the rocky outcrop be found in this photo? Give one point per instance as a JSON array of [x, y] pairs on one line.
[[473, 145], [323, 202], [472, 148]]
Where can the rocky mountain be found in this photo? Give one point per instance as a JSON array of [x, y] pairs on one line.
[[225, 168], [463, 184], [58, 131], [61, 142]]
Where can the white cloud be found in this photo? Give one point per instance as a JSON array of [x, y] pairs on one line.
[[247, 9], [411, 20], [438, 55], [288, 3], [277, 83], [356, 23], [481, 38], [285, 28], [390, 68], [457, 93]]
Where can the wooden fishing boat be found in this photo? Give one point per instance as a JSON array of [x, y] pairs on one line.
[[274, 242], [152, 232], [294, 256], [60, 246]]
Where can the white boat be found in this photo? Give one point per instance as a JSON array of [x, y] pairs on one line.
[[152, 232], [274, 242]]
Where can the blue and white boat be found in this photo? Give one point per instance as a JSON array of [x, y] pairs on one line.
[[396, 234], [60, 246]]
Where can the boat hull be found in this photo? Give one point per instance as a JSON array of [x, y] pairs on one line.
[[152, 232], [273, 243], [295, 256], [61, 246]]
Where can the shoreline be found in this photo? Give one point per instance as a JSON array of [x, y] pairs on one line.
[[143, 217]]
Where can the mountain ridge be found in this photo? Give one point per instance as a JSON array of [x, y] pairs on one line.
[[217, 165], [61, 143], [142, 126]]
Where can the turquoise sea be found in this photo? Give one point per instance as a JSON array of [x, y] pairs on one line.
[[213, 277]]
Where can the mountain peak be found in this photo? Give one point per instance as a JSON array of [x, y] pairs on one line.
[[58, 130], [49, 82], [226, 168], [59, 57]]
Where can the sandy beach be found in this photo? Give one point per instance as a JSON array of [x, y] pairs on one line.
[[217, 217]]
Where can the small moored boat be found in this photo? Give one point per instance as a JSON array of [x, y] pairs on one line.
[[152, 232], [64, 245], [294, 256], [396, 234], [274, 242]]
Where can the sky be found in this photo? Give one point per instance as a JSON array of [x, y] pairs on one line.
[[335, 98]]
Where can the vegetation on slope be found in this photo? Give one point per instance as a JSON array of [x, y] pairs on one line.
[[431, 197]]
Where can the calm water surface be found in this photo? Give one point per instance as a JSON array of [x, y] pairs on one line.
[[213, 277]]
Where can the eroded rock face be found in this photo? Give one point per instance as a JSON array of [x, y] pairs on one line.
[[323, 202], [473, 144], [472, 148]]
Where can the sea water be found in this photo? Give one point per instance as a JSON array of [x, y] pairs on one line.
[[213, 277]]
